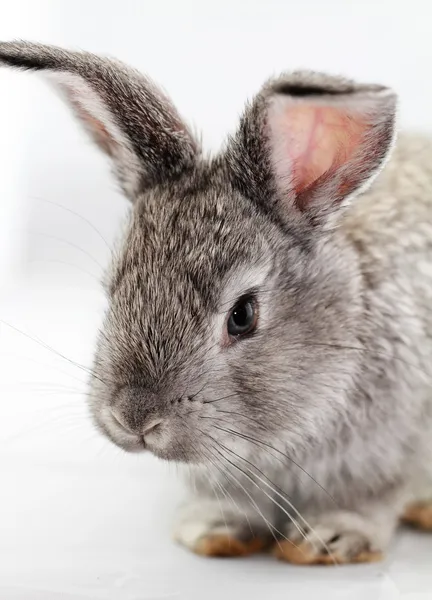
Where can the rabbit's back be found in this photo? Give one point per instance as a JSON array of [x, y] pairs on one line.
[[391, 226]]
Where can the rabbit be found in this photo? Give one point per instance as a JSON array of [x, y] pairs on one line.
[[270, 308]]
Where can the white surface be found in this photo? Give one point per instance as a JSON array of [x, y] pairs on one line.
[[78, 519]]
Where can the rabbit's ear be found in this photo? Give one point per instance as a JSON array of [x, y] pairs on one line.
[[309, 142], [126, 115]]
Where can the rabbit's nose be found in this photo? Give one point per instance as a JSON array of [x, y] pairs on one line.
[[149, 428]]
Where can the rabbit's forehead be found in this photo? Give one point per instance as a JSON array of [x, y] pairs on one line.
[[195, 237], [186, 259]]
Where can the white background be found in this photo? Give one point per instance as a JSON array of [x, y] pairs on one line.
[[78, 519]]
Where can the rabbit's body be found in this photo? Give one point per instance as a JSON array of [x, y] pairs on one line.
[[270, 319], [391, 227], [378, 459]]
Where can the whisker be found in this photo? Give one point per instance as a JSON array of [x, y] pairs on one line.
[[67, 264], [47, 385], [219, 502], [215, 464], [265, 449], [68, 243], [46, 425], [47, 347], [276, 490], [89, 223], [190, 398], [291, 518], [256, 441], [237, 483], [270, 526], [227, 493], [219, 399], [232, 412], [42, 364], [289, 515]]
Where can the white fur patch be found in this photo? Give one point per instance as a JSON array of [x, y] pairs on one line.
[[199, 519]]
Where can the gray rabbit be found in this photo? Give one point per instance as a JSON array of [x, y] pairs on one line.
[[270, 311]]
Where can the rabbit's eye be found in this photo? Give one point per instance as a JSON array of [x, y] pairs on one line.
[[243, 318]]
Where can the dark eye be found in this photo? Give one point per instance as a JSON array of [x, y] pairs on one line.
[[243, 317]]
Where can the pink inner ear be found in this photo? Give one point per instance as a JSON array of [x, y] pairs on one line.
[[95, 126], [311, 140]]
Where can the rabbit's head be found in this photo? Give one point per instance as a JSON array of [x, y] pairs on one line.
[[235, 301]]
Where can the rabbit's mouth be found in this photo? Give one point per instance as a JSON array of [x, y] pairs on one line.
[[159, 436]]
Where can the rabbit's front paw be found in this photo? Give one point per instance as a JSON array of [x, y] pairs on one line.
[[333, 538], [204, 530]]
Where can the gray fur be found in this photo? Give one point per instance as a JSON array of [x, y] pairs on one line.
[[329, 402]]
